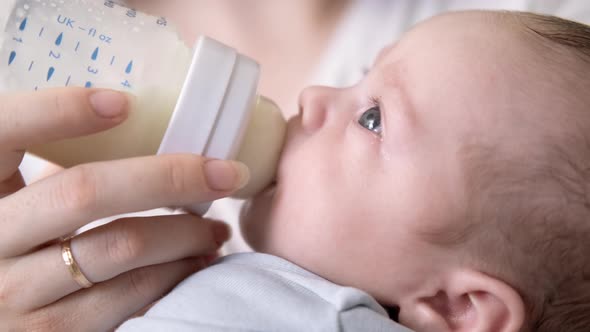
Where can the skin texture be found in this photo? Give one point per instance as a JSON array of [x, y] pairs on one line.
[[353, 205], [132, 261]]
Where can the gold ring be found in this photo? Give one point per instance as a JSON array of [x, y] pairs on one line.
[[66, 254]]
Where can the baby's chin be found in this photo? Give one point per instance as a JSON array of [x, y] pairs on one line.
[[255, 217]]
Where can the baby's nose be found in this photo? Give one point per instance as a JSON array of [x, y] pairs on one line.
[[314, 103]]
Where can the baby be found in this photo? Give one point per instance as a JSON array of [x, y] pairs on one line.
[[453, 183]]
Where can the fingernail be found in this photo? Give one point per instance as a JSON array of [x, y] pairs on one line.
[[222, 175], [221, 233], [109, 104]]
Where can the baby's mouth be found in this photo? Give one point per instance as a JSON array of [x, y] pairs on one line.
[[269, 190], [393, 313]]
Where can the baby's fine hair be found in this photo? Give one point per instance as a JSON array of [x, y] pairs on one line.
[[538, 203]]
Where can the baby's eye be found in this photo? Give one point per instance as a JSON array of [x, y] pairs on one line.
[[371, 119]]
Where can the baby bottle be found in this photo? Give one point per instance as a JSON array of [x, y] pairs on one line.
[[201, 100]]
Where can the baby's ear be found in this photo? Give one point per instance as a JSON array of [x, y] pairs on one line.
[[465, 300]]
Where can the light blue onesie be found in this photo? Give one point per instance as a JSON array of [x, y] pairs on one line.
[[258, 292]]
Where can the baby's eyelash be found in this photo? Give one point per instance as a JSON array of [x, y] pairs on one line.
[[375, 102]]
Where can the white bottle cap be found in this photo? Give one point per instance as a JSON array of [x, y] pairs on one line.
[[214, 106]]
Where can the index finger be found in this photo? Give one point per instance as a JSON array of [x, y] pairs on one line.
[[64, 202], [32, 118]]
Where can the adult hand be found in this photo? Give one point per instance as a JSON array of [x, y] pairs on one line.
[[132, 261]]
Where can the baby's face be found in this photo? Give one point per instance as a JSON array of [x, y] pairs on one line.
[[367, 170]]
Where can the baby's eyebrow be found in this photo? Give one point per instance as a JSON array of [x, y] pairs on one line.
[[394, 75], [383, 53]]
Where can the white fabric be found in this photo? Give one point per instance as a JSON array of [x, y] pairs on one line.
[[257, 292], [368, 26]]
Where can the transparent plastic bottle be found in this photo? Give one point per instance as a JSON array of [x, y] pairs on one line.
[[201, 100]]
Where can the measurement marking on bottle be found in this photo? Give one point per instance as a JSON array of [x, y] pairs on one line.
[[54, 55], [94, 54], [105, 39], [77, 46], [88, 84], [59, 39], [23, 24], [50, 73], [113, 60], [68, 81], [31, 65], [41, 32], [68, 22], [11, 57], [129, 67], [36, 88]]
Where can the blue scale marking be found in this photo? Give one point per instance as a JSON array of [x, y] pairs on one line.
[[59, 39], [95, 54], [68, 81], [88, 85], [23, 24], [50, 73], [41, 32], [31, 65], [11, 57], [129, 67]]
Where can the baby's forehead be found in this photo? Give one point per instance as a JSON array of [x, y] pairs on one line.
[[383, 53], [458, 32], [487, 58]]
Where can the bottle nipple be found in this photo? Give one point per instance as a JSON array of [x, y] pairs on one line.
[[262, 146]]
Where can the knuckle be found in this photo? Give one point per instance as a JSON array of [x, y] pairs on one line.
[[67, 105], [60, 110], [143, 282], [125, 244], [6, 295], [78, 189], [11, 293], [44, 320], [183, 174]]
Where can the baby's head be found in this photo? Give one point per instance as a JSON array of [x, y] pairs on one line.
[[453, 181]]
